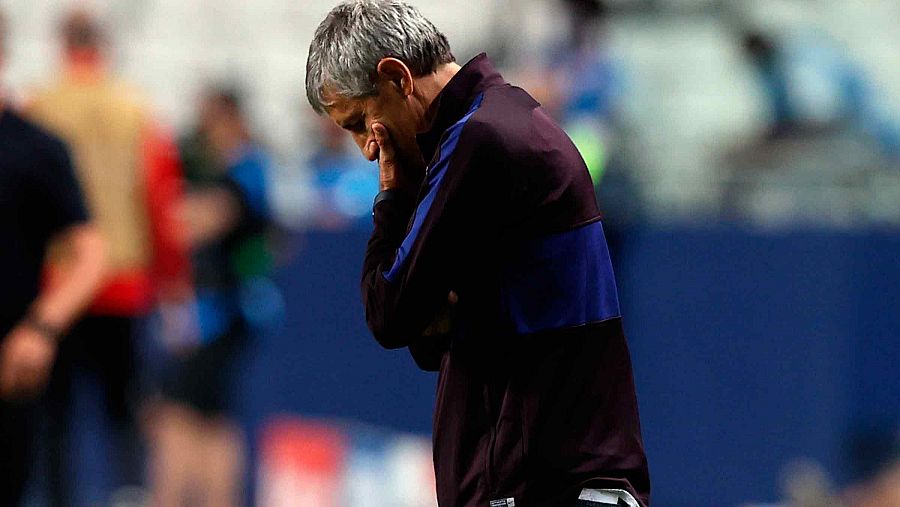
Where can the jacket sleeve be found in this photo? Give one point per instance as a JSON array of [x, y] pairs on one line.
[[414, 256]]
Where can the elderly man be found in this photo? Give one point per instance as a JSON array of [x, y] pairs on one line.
[[487, 229]]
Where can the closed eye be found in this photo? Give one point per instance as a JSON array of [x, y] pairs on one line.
[[356, 126]]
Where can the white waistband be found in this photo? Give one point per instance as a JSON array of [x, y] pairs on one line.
[[609, 496]]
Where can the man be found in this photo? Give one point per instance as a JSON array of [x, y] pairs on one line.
[[39, 200], [130, 174], [535, 400]]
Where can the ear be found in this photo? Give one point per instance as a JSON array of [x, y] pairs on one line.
[[393, 71]]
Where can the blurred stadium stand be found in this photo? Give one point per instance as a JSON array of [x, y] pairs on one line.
[[690, 92]]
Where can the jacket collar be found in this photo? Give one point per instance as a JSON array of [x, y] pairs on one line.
[[455, 99]]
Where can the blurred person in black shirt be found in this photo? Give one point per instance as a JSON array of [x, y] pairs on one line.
[[39, 200]]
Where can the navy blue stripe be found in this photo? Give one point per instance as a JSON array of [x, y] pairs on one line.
[[433, 180], [559, 281]]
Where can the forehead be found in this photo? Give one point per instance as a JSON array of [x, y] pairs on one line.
[[340, 107]]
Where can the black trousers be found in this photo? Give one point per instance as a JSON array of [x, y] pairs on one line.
[[101, 347], [17, 436]]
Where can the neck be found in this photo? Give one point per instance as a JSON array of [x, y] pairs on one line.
[[84, 63], [427, 88]]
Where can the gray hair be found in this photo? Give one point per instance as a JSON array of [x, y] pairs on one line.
[[356, 35]]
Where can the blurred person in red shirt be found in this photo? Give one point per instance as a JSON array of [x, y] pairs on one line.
[[128, 166], [40, 201]]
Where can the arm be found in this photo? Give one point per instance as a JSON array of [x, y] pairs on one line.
[[414, 253], [239, 201], [209, 214], [75, 284], [27, 352]]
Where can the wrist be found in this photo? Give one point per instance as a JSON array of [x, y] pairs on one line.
[[393, 194], [408, 181], [42, 327]]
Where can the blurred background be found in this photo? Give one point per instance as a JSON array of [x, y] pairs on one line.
[[746, 155]]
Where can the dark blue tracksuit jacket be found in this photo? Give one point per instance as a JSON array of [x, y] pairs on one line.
[[535, 397]]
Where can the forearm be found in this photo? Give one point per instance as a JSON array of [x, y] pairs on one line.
[[408, 271], [210, 215], [73, 285], [391, 218]]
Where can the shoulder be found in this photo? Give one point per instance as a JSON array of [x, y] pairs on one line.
[[503, 120], [110, 92], [34, 137]]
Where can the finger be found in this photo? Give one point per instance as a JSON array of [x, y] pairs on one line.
[[385, 147], [380, 133], [371, 151]]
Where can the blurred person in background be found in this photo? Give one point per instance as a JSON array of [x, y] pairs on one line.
[[40, 203], [345, 182], [197, 446], [590, 84], [581, 85], [882, 490], [812, 85], [805, 483], [580, 82], [875, 454], [129, 170]]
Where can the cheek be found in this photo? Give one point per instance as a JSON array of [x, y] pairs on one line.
[[361, 140]]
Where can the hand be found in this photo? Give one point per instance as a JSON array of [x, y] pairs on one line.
[[398, 168], [444, 321], [206, 215], [26, 358]]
